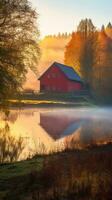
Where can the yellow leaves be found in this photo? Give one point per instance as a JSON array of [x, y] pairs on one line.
[[52, 49], [73, 51], [109, 32]]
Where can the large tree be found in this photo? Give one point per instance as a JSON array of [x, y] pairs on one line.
[[18, 44], [103, 68], [86, 27], [80, 50], [108, 30], [88, 57], [73, 51], [88, 53]]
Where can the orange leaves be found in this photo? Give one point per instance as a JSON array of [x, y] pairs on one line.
[[73, 51]]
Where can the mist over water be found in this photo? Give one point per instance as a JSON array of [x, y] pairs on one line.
[[53, 129]]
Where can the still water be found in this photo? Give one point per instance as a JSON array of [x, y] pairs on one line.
[[46, 130]]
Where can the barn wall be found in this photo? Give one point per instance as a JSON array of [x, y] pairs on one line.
[[55, 80], [72, 85]]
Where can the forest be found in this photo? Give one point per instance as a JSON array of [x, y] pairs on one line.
[[90, 52]]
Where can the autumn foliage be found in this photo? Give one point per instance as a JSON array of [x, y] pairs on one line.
[[52, 49], [90, 52]]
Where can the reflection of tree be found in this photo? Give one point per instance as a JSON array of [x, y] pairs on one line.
[[31, 113], [10, 147], [8, 115], [96, 131], [92, 132], [12, 117]]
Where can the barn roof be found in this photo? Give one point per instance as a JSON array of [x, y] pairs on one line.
[[69, 72]]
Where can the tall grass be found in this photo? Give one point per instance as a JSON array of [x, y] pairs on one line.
[[71, 175], [10, 147]]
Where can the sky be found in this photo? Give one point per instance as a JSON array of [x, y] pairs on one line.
[[64, 15]]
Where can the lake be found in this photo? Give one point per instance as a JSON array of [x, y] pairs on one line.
[[54, 129]]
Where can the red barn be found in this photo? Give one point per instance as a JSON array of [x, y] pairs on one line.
[[60, 78]]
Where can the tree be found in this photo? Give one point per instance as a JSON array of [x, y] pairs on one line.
[[88, 57], [109, 25], [103, 67], [102, 28], [18, 44], [79, 51], [88, 52], [86, 27], [109, 30], [73, 51]]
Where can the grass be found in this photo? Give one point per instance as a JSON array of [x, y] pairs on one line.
[[10, 170], [16, 171], [21, 168], [52, 99], [45, 103], [54, 96], [81, 166]]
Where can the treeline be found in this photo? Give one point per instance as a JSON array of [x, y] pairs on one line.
[[52, 49], [59, 35], [89, 51]]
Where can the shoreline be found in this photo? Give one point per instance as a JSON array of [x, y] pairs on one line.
[[49, 103]]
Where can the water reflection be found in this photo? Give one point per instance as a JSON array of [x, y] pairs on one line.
[[59, 124], [59, 128]]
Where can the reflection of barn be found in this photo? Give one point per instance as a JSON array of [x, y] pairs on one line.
[[60, 78], [58, 126]]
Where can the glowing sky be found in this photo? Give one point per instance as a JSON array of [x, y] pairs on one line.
[[64, 15]]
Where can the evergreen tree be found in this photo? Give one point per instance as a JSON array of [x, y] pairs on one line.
[[103, 28], [109, 25], [86, 27], [88, 50]]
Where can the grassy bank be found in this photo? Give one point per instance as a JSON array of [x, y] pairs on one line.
[[16, 171], [52, 100], [79, 174]]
